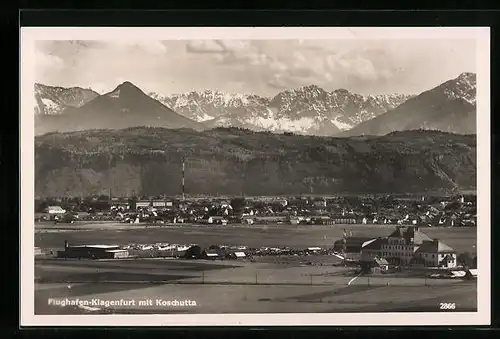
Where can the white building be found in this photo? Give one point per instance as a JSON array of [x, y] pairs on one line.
[[159, 203], [239, 254], [402, 244], [55, 210], [435, 253], [142, 204], [408, 245]]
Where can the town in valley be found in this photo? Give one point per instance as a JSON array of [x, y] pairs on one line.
[[388, 241]]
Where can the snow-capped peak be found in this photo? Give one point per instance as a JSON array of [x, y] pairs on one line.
[[52, 100], [302, 110], [462, 87]]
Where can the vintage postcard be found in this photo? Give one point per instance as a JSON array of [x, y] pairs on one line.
[[255, 176]]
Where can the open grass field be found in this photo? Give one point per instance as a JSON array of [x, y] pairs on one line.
[[272, 284], [238, 287], [181, 271], [220, 298], [295, 236]]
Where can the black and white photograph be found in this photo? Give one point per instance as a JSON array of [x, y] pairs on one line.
[[255, 176]]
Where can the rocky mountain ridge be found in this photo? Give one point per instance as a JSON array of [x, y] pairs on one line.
[[304, 110]]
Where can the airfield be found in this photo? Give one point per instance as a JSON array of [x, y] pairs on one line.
[[47, 235], [268, 285]]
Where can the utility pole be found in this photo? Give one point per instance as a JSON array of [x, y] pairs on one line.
[[244, 178], [183, 183]]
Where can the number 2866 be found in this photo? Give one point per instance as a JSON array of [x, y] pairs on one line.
[[447, 306]]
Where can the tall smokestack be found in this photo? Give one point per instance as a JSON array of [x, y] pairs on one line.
[[183, 171]]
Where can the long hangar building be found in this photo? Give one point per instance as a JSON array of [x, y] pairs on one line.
[[93, 252]]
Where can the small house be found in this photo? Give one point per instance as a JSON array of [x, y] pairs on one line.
[[117, 254], [120, 206], [314, 249], [343, 219], [159, 203], [380, 265], [55, 210], [270, 219], [248, 221], [216, 219], [321, 220], [209, 255], [193, 252], [142, 204], [237, 255]]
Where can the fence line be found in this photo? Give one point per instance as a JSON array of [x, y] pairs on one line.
[[273, 278]]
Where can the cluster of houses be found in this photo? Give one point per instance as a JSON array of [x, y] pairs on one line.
[[458, 211]]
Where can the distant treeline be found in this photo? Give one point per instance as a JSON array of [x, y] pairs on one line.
[[233, 161]]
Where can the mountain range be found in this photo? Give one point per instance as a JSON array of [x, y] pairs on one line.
[[304, 110], [307, 110], [147, 161], [54, 100], [125, 106], [449, 107]]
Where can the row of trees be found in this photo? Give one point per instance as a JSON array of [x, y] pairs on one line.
[[467, 259]]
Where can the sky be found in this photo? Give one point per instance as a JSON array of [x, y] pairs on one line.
[[262, 67]]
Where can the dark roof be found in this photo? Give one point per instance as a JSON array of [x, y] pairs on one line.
[[353, 244], [271, 217], [340, 216], [409, 233], [376, 244], [435, 246], [419, 237], [350, 241], [397, 233], [381, 261]]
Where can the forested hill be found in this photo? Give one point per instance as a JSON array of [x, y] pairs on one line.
[[147, 161]]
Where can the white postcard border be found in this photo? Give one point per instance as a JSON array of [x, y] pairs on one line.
[[30, 34]]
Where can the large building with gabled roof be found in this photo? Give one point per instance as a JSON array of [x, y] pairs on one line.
[[409, 245], [401, 244], [435, 253]]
